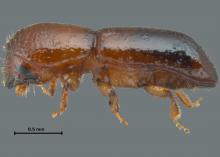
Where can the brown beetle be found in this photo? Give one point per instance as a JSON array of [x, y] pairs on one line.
[[160, 61]]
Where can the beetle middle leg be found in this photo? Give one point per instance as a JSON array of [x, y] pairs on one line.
[[107, 90], [187, 102], [175, 111]]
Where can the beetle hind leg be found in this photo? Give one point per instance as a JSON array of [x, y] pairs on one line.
[[187, 101], [107, 90], [175, 112], [175, 115]]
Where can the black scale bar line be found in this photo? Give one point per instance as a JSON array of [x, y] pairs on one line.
[[23, 133]]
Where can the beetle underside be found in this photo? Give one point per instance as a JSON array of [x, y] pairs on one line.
[[107, 90]]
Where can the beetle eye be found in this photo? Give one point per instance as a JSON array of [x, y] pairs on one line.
[[25, 74]]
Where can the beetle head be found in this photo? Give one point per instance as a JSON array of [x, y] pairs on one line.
[[17, 72]]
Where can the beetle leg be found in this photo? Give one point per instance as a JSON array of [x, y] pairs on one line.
[[107, 90], [175, 112], [50, 91], [21, 90], [187, 101], [175, 115], [67, 82], [158, 91], [73, 80], [63, 103]]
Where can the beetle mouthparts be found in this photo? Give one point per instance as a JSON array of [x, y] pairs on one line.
[[12, 82]]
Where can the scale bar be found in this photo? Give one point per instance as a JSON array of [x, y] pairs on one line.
[[26, 133]]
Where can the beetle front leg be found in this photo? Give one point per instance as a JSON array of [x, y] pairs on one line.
[[21, 90], [107, 90]]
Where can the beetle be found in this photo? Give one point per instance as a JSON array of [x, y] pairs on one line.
[[162, 62]]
